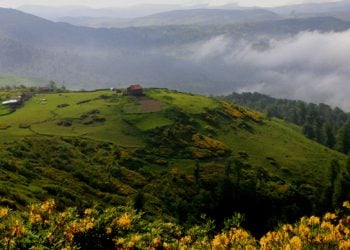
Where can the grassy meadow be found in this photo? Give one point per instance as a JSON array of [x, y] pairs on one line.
[[175, 155]]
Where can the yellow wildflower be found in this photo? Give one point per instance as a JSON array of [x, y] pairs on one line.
[[346, 231], [287, 247], [67, 248], [18, 229], [304, 230], [89, 225], [50, 237], [35, 218], [156, 243], [313, 220], [136, 238], [108, 230], [166, 246], [220, 241], [88, 211], [48, 206], [295, 243], [287, 228], [124, 221], [344, 244], [250, 247], [329, 216], [3, 212], [346, 204], [239, 234], [120, 242], [326, 225], [186, 240], [131, 245]]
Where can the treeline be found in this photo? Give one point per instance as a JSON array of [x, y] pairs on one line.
[[320, 122], [52, 86]]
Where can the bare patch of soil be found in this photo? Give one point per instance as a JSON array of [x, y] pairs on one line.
[[150, 105]]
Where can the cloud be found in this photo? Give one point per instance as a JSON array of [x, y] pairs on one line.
[[311, 66]]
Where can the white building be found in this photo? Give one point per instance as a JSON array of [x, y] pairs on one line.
[[9, 102]]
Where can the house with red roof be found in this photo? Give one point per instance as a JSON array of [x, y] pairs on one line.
[[134, 90]]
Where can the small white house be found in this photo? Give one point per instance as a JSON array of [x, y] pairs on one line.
[[9, 102]]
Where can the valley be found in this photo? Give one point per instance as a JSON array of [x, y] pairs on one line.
[[210, 125]]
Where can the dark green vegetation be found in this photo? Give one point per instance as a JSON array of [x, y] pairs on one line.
[[172, 154], [322, 123]]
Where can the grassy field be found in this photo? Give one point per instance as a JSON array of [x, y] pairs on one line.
[[146, 122], [44, 112], [4, 110], [284, 151], [71, 114], [189, 103]]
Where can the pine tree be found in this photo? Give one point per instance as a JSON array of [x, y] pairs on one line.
[[329, 139], [343, 139], [308, 131]]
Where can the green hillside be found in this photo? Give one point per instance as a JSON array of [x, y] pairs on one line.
[[175, 155]]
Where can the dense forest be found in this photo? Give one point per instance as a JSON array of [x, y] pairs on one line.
[[320, 122]]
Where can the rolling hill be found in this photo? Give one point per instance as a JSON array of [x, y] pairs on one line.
[[329, 8], [177, 154], [59, 12]]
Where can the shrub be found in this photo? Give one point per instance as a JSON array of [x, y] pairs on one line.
[[41, 226]]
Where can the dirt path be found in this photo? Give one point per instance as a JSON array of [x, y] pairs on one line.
[[149, 105]]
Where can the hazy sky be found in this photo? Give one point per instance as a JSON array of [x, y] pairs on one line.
[[120, 3]]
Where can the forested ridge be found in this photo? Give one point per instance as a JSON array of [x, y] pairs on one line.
[[320, 122]]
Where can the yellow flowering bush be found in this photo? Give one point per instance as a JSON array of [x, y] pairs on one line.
[[43, 227], [206, 142], [240, 113]]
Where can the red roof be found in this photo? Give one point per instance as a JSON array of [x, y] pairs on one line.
[[135, 87]]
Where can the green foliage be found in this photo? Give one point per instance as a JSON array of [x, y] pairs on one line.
[[174, 155], [42, 226], [234, 222], [343, 139], [188, 103], [320, 122]]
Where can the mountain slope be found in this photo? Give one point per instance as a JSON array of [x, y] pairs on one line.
[[329, 126], [181, 154], [313, 8], [56, 13]]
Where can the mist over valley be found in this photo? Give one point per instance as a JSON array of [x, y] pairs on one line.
[[209, 51]]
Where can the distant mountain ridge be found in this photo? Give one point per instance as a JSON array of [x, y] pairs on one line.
[[55, 13], [327, 7], [82, 57], [150, 14], [181, 17]]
